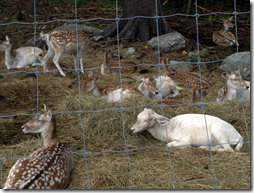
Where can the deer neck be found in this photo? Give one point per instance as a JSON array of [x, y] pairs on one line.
[[97, 91], [9, 58], [230, 93], [158, 131], [50, 134], [224, 28]]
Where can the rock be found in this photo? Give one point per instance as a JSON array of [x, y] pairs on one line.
[[130, 52], [38, 42], [89, 24], [204, 53], [23, 75], [186, 66], [193, 57], [170, 42], [16, 17], [86, 29], [97, 38], [230, 64]]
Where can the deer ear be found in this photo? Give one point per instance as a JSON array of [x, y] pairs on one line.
[[97, 78], [49, 115], [90, 74], [140, 79], [237, 72], [162, 119], [224, 75], [230, 18], [7, 38], [45, 107]]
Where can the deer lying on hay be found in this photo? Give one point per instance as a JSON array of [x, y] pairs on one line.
[[190, 129], [22, 57], [190, 79], [157, 88], [233, 87], [110, 92], [35, 173], [63, 41], [222, 36], [128, 66]]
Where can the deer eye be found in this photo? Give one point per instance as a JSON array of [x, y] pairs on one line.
[[87, 86], [234, 79]]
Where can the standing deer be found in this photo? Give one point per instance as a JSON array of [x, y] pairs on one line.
[[128, 66], [151, 87], [45, 168], [21, 57], [190, 79], [190, 129], [111, 92], [63, 41], [232, 89], [222, 36]]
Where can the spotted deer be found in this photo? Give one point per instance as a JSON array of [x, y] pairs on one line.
[[190, 130], [222, 36], [170, 103], [22, 57], [111, 92], [48, 167], [112, 67], [233, 87], [156, 88], [189, 79], [63, 41]]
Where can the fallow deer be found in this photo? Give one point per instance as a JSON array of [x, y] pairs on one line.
[[111, 92], [190, 129], [151, 87], [233, 87], [190, 79], [22, 57], [128, 66], [63, 41], [222, 36], [49, 167]]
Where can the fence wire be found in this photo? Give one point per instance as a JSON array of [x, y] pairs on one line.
[[121, 109]]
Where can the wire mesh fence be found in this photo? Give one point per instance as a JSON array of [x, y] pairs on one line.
[[173, 179]]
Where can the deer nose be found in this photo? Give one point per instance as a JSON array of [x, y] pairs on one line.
[[156, 92], [247, 87], [22, 127]]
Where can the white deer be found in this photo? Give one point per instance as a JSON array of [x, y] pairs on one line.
[[222, 36], [110, 92], [157, 88], [22, 57], [233, 87], [34, 172], [190, 129], [63, 41]]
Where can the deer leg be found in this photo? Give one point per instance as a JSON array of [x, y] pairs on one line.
[[177, 142], [75, 60], [56, 60], [47, 57], [81, 59]]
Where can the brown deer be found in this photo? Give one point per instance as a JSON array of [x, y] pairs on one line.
[[190, 79], [233, 86], [63, 41], [111, 92], [173, 104], [222, 36], [22, 57], [48, 167], [112, 67]]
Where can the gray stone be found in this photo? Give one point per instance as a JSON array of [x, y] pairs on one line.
[[184, 66], [192, 57], [170, 42], [230, 64], [97, 38], [204, 53], [130, 52]]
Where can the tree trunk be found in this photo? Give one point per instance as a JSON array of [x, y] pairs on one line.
[[144, 28]]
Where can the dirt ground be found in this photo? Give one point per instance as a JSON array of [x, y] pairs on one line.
[[102, 131]]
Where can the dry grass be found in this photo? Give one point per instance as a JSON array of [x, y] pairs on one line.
[[101, 133]]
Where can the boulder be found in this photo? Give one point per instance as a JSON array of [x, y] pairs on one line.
[[230, 64], [130, 52], [193, 57], [184, 66], [169, 42], [204, 53]]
